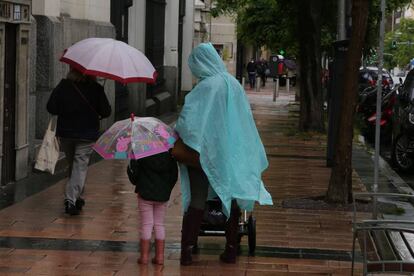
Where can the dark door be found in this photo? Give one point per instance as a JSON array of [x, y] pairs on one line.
[[154, 41], [9, 153]]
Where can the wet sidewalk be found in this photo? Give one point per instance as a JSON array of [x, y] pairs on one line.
[[36, 238]]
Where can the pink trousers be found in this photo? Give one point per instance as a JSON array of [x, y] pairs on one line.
[[152, 215]]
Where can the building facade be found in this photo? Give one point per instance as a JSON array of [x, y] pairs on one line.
[[35, 34], [15, 56], [151, 26], [394, 20], [199, 27]]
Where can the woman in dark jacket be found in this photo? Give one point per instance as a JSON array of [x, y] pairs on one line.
[[80, 103]]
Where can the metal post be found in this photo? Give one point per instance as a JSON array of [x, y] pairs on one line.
[[257, 84], [341, 20], [274, 90], [287, 85], [277, 87], [243, 81], [378, 111]]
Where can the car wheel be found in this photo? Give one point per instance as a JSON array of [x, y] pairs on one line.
[[403, 160]]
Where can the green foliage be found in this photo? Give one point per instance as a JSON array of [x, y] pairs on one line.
[[403, 51], [273, 23], [374, 19]]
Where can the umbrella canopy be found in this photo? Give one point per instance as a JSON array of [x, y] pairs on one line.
[[135, 138], [290, 64], [109, 58]]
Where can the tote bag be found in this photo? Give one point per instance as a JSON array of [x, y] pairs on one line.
[[49, 150]]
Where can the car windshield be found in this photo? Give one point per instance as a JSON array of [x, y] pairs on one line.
[[373, 75]]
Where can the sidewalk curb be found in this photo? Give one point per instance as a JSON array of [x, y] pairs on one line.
[[389, 172]]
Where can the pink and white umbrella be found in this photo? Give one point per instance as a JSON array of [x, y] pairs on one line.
[[109, 58]]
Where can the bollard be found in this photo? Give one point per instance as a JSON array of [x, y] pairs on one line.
[[275, 88], [243, 81], [287, 85], [257, 84]]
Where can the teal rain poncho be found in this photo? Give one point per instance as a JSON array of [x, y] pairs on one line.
[[217, 122]]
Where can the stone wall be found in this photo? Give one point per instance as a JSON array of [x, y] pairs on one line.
[[53, 36]]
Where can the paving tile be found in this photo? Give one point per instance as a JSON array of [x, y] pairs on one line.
[[110, 215]]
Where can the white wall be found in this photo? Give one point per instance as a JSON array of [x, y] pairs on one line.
[[171, 33], [136, 25], [188, 34], [95, 10], [46, 7]]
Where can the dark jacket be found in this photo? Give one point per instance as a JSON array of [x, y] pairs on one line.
[[251, 67], [154, 176], [261, 68], [78, 119]]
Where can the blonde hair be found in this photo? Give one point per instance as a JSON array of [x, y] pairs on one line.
[[76, 76]]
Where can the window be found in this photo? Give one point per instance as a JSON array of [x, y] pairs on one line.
[[25, 13], [5, 10], [17, 15]]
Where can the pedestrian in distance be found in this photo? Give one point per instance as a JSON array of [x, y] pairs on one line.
[[251, 72], [263, 71], [219, 152], [154, 178], [79, 103]]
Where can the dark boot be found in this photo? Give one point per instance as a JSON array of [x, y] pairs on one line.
[[232, 232], [189, 233]]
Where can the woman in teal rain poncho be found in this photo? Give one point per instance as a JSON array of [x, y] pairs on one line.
[[219, 148]]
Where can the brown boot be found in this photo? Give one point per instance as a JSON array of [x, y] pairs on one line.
[[144, 248], [232, 231], [159, 252], [189, 233]]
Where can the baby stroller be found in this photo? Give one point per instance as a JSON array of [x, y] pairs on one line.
[[213, 224]]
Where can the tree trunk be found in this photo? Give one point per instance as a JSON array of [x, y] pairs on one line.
[[311, 101], [340, 184]]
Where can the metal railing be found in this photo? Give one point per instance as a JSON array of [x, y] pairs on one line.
[[381, 224]]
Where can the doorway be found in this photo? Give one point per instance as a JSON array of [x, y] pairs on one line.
[[154, 41], [8, 169]]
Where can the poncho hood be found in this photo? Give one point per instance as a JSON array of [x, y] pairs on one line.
[[204, 63], [217, 122]]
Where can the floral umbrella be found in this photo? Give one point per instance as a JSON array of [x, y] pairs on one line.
[[135, 138]]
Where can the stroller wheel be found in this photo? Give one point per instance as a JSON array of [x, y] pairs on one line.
[[251, 229]]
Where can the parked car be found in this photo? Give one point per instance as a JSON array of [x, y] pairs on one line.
[[399, 77], [368, 77], [403, 126]]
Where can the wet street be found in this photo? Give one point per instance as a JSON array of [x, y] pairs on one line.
[[37, 238]]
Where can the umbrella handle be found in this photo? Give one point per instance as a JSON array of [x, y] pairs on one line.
[[132, 117]]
